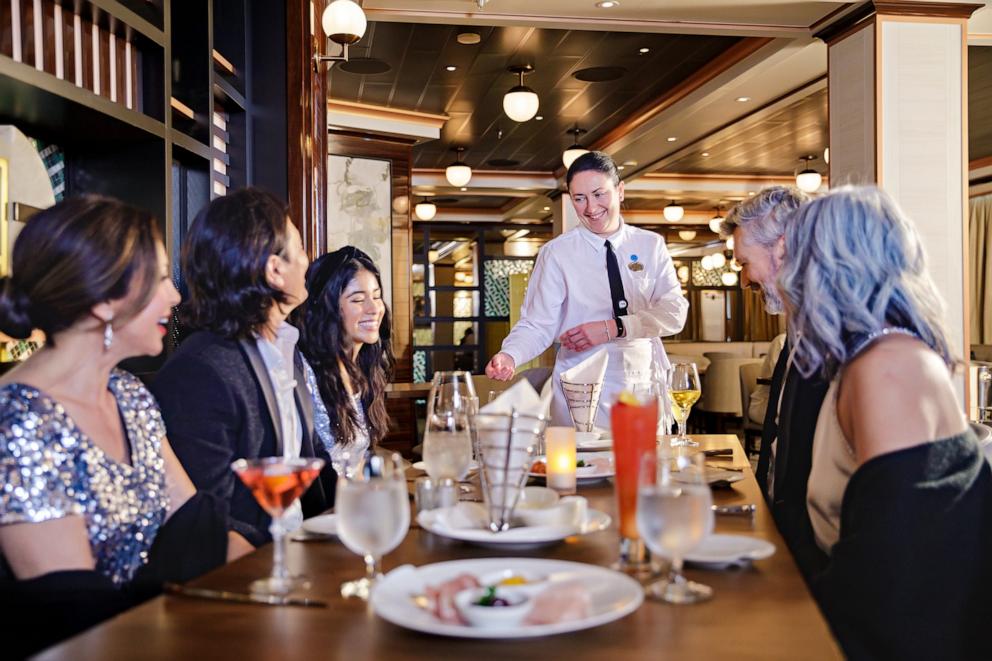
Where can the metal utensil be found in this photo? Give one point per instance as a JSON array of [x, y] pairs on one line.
[[242, 598], [721, 452], [747, 509]]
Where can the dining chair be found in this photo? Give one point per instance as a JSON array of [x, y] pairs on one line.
[[749, 381]]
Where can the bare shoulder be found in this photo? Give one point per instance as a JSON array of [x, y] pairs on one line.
[[897, 394]]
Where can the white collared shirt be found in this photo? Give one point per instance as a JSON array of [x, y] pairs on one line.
[[278, 358], [569, 286]]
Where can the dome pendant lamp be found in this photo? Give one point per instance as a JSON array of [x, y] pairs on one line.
[[458, 174], [425, 210], [520, 103], [808, 180], [575, 150], [673, 212]]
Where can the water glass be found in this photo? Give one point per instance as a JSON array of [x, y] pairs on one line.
[[683, 391], [674, 514], [373, 517]]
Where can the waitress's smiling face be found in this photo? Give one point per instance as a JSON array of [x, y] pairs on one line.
[[597, 201]]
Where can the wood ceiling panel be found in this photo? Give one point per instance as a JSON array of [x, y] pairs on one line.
[[473, 94]]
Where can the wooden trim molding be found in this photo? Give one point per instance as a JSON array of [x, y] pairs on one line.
[[844, 23]]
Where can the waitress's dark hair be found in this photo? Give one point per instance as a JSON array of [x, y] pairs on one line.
[[223, 261], [83, 251], [325, 344], [595, 161]]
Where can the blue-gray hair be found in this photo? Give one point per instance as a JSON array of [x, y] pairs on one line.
[[854, 264], [763, 217]]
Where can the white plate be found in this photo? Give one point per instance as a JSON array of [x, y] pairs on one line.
[[588, 474], [613, 595], [521, 537], [473, 466], [589, 443], [325, 524], [722, 551]]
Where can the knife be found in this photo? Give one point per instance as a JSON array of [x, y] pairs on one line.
[[239, 597], [747, 509], [719, 452]]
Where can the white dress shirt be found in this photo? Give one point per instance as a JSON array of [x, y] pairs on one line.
[[569, 286], [278, 358]]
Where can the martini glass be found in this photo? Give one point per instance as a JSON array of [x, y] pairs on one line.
[[276, 482]]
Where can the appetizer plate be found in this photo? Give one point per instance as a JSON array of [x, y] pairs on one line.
[[325, 524], [473, 466], [723, 551], [521, 537], [586, 474], [597, 439], [612, 595]]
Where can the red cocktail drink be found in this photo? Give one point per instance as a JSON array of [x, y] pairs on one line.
[[634, 422]]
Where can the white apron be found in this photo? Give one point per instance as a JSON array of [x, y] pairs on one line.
[[631, 362]]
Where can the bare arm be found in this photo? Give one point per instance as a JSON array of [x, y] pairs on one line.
[[178, 486], [896, 395], [34, 549]]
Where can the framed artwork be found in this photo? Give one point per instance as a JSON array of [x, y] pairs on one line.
[[359, 191], [4, 233]]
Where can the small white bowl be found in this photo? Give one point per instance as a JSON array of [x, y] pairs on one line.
[[537, 498], [492, 617]]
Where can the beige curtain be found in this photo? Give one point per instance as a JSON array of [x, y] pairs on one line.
[[980, 264]]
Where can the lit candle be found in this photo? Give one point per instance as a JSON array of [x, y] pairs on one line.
[[559, 443]]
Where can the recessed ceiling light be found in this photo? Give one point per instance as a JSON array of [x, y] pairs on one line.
[[620, 167], [644, 50], [743, 99], [630, 162], [672, 138], [539, 117], [468, 38], [706, 153], [607, 4], [464, 189], [547, 208], [451, 67], [751, 193]]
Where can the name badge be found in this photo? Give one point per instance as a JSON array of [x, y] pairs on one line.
[[635, 265]]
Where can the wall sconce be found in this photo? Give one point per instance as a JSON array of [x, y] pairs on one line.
[[344, 23]]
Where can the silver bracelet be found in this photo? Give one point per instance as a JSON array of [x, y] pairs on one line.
[[606, 325]]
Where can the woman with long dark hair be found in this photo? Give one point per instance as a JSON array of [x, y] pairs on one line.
[[345, 336]]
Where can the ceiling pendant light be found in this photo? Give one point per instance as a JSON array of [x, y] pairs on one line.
[[730, 243], [458, 174], [521, 102], [687, 235], [729, 278], [716, 221], [673, 212], [576, 150], [718, 260], [707, 263], [808, 180], [425, 209]]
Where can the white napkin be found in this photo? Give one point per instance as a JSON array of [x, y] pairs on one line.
[[521, 396], [590, 370], [463, 515]]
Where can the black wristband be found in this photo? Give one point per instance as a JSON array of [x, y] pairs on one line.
[[620, 329]]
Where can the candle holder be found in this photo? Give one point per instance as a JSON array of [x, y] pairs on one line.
[[559, 443]]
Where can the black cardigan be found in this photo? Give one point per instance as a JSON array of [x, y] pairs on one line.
[[911, 575]]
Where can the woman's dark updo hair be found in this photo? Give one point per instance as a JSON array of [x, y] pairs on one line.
[[595, 161], [82, 251], [325, 344], [223, 261]]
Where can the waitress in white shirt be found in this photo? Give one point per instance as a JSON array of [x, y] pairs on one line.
[[604, 283]]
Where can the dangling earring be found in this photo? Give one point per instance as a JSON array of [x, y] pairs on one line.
[[108, 333]]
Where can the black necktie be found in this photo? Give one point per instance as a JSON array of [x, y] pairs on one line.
[[616, 284]]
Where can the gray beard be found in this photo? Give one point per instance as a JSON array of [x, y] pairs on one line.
[[773, 302]]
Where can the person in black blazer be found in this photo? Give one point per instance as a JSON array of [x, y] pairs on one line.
[[758, 226], [245, 269]]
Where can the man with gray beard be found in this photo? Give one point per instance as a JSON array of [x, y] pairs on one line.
[[758, 226]]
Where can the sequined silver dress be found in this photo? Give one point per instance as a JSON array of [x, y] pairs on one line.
[[50, 469], [341, 455]]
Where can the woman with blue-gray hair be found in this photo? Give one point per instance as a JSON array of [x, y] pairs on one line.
[[899, 494]]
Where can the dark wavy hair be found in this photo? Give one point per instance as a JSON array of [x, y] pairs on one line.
[[325, 345], [83, 251], [223, 261]]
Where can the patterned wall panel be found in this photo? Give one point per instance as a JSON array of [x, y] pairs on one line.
[[497, 285]]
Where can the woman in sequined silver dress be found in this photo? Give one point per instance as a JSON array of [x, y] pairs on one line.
[[87, 478], [345, 336]]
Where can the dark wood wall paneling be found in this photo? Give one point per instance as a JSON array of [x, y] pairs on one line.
[[398, 152]]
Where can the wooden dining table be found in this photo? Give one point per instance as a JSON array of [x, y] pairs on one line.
[[760, 612]]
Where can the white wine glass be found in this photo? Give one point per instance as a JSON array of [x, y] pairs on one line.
[[683, 391], [674, 514], [373, 517]]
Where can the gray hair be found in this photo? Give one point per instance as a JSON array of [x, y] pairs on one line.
[[854, 264], [763, 217]]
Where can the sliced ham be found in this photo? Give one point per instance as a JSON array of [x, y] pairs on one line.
[[443, 597], [561, 602]]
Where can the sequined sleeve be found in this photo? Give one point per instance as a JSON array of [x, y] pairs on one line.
[[36, 463], [143, 409], [321, 421]]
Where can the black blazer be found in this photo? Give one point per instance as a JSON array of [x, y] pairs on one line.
[[796, 424], [219, 406]]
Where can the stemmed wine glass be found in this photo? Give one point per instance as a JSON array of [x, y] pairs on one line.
[[276, 482], [674, 514], [373, 517], [683, 391]]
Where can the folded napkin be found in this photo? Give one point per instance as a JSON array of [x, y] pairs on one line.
[[590, 370], [520, 397]]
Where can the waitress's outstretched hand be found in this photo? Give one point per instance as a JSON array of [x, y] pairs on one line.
[[501, 367], [588, 335]]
